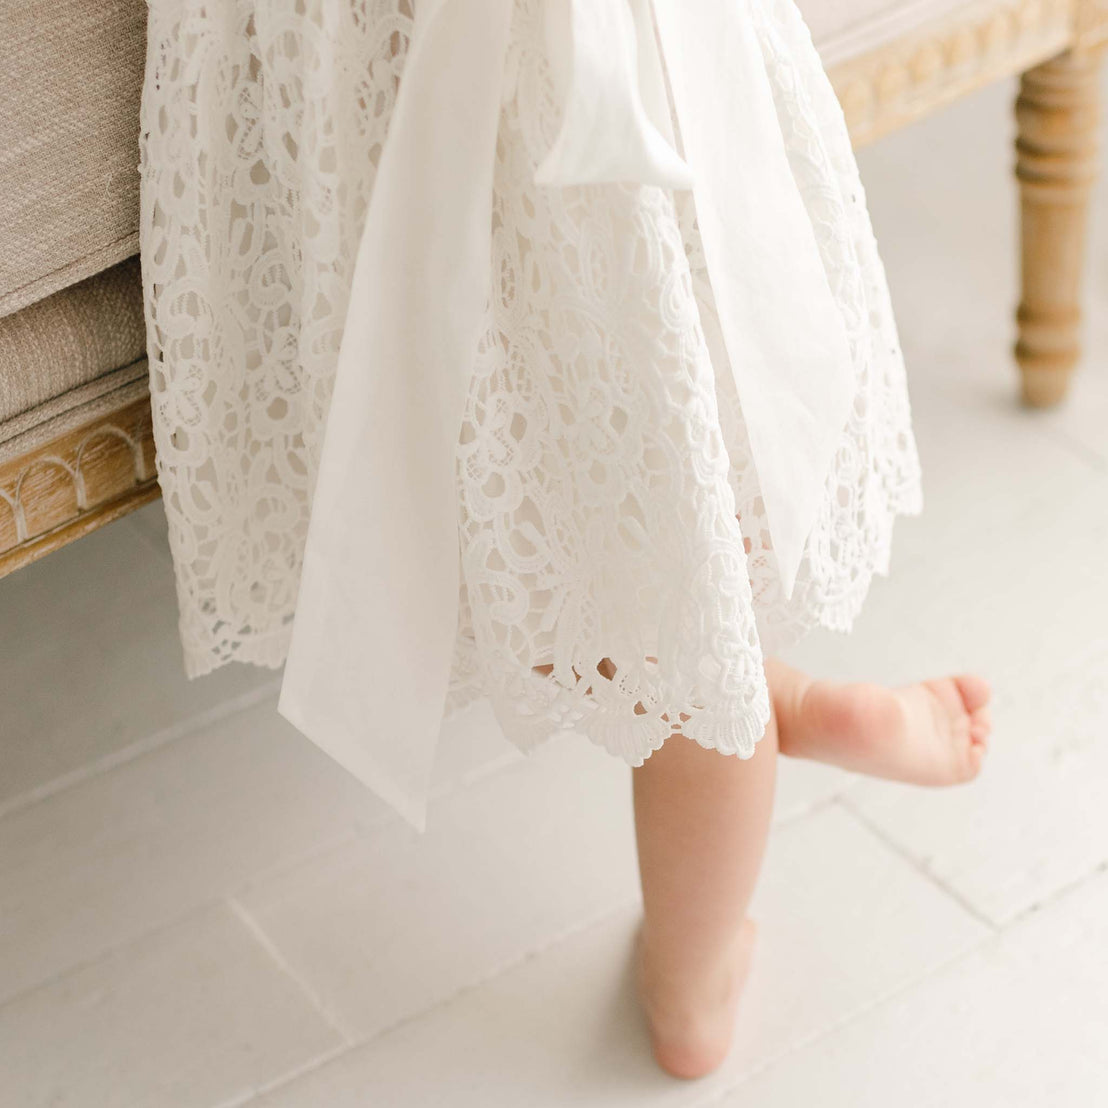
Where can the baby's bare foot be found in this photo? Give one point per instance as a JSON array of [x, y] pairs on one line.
[[691, 1016], [931, 733]]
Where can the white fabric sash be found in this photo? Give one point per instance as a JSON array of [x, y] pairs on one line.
[[377, 614]]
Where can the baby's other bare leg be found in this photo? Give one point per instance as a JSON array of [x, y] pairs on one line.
[[701, 821]]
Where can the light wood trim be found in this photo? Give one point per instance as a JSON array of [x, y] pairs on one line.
[[948, 57], [1057, 46], [1090, 24], [1058, 114], [75, 483]]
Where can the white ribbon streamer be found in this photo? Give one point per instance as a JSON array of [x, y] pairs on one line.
[[606, 133], [377, 612], [377, 615]]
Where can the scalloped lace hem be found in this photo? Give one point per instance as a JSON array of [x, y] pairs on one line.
[[631, 738], [264, 651], [552, 712]]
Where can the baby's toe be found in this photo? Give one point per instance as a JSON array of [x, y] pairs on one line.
[[980, 727], [974, 690], [972, 759], [981, 724]]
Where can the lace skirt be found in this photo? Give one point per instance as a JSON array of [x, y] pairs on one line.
[[618, 578]]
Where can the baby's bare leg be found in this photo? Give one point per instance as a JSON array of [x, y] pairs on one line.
[[701, 820]]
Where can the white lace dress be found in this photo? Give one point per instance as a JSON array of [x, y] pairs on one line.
[[616, 564]]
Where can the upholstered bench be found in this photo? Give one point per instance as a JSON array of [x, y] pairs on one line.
[[76, 448]]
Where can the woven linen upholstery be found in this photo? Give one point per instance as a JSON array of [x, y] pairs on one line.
[[71, 338], [72, 79]]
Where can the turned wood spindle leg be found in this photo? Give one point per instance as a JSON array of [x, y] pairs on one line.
[[1057, 113]]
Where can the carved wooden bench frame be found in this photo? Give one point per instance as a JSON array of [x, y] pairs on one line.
[[64, 488]]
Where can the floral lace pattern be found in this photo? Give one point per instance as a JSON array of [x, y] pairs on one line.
[[261, 126], [618, 580]]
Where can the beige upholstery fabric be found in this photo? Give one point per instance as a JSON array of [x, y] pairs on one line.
[[73, 409], [72, 77], [71, 338], [843, 29]]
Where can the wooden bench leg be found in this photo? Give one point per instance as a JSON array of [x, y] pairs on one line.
[[1057, 114]]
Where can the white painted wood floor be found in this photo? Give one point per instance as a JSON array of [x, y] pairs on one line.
[[198, 909]]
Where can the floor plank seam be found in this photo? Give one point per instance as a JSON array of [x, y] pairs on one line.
[[715, 1098], [251, 1096], [596, 920], [117, 950], [812, 808], [198, 907], [138, 749], [919, 867], [285, 865], [1079, 448], [1055, 895], [273, 951]]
